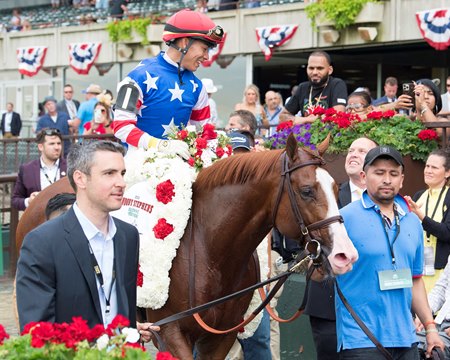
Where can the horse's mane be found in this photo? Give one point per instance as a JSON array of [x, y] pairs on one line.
[[238, 169]]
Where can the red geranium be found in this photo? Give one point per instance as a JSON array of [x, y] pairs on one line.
[[428, 134], [209, 132], [164, 191], [165, 356], [162, 229], [140, 277], [285, 125], [318, 110], [3, 334]]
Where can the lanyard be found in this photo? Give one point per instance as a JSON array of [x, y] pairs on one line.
[[397, 233], [435, 207], [46, 176], [99, 275]]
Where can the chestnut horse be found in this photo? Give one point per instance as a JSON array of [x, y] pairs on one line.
[[232, 211]]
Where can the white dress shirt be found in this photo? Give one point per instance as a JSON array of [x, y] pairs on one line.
[[103, 249]]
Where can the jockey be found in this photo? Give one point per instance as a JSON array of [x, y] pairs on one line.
[[163, 92]]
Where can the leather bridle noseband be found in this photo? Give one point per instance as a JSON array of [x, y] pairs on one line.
[[305, 229]]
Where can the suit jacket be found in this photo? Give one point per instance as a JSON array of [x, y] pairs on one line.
[[381, 100], [321, 294], [61, 106], [439, 229], [29, 181], [55, 277], [16, 124]]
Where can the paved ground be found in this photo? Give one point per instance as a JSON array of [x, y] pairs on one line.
[[7, 317]]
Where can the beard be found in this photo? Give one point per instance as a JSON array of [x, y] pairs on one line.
[[319, 83]]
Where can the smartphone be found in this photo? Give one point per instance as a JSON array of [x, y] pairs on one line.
[[408, 89]]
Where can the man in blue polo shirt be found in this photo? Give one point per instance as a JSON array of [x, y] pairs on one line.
[[386, 281]]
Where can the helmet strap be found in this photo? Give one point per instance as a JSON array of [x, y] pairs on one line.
[[183, 52]]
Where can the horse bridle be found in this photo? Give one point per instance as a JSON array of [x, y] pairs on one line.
[[312, 245]]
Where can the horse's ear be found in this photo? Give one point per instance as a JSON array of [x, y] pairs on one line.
[[292, 147], [323, 146]]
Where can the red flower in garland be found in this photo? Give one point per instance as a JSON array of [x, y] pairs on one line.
[[285, 125], [220, 152], [164, 192], [191, 162], [182, 134], [162, 229], [140, 277], [209, 132], [3, 334], [428, 134], [201, 143]]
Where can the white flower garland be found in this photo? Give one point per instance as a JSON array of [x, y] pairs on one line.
[[156, 255]]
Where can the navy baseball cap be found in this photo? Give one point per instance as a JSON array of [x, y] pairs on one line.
[[239, 140], [383, 151]]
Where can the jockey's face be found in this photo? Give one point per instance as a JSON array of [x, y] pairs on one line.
[[197, 53]]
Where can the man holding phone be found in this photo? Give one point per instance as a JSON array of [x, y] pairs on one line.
[[390, 92]]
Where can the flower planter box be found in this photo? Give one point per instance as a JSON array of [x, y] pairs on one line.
[[370, 13], [413, 172]]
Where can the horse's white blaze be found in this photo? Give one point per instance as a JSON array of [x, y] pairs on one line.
[[343, 254]]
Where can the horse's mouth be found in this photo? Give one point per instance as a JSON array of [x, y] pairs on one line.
[[341, 264]]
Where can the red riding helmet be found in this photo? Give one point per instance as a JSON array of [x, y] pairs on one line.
[[192, 24]]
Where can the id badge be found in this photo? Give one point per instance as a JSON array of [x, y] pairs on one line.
[[428, 259], [395, 279]]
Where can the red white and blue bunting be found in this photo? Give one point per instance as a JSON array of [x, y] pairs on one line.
[[214, 52], [83, 55], [270, 37], [434, 25], [31, 59]]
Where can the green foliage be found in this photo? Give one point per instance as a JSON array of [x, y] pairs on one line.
[[397, 131], [122, 30], [342, 12]]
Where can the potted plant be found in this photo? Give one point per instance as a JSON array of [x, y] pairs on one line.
[[129, 30], [342, 14], [44, 340]]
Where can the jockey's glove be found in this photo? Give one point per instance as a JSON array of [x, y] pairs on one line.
[[176, 147]]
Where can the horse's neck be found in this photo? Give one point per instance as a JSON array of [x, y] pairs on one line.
[[233, 219]]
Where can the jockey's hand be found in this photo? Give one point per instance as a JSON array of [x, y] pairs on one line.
[[177, 147]]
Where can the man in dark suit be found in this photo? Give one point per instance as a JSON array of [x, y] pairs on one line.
[[11, 123], [40, 173], [68, 104], [390, 92], [84, 262], [320, 306]]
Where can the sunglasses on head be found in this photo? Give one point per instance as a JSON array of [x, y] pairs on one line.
[[51, 132]]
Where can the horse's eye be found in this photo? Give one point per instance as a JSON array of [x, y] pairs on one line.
[[307, 192]]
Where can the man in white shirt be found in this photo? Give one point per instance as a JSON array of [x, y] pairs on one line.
[[68, 105], [11, 123], [40, 173]]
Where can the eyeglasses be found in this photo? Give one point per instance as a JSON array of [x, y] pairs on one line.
[[51, 132], [356, 106]]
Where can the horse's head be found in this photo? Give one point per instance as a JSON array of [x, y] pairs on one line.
[[306, 206]]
